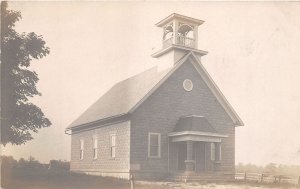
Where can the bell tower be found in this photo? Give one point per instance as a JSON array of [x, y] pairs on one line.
[[180, 36]]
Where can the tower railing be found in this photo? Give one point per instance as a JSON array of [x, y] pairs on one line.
[[185, 41], [180, 40]]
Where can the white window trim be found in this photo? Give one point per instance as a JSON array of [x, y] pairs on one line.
[[95, 147], [159, 145], [81, 149], [212, 151], [110, 146], [220, 152]]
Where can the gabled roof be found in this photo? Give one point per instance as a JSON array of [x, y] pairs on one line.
[[125, 96], [216, 91], [121, 97], [191, 57], [193, 123]]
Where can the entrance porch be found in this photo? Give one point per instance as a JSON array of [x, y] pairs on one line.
[[191, 157], [194, 147]]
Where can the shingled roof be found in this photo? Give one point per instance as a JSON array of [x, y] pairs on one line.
[[121, 97], [125, 96]]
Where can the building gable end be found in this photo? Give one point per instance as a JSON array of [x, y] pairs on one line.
[[192, 58], [215, 90]]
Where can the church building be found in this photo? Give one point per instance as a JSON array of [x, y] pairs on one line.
[[169, 120]]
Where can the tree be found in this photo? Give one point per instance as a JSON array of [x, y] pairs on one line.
[[8, 162], [271, 168], [19, 117]]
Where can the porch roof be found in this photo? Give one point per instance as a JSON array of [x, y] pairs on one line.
[[195, 128], [194, 123]]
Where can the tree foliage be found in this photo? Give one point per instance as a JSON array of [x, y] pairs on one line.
[[19, 117]]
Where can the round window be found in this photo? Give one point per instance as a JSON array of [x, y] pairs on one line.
[[188, 85]]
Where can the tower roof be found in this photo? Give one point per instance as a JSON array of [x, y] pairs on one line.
[[179, 17]]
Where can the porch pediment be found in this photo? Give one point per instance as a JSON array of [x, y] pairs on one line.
[[196, 136]]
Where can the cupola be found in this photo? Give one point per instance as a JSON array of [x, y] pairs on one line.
[[180, 30], [180, 36]]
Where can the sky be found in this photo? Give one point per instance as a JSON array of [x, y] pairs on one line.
[[253, 57]]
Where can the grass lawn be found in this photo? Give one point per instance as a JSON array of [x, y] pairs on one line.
[[46, 179]]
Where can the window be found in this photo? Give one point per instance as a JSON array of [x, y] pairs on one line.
[[188, 85], [220, 152], [113, 146], [81, 148], [154, 145], [213, 151], [95, 147]]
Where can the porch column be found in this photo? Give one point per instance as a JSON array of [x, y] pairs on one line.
[[218, 151], [189, 162]]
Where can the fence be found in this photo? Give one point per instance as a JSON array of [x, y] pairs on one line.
[[267, 178]]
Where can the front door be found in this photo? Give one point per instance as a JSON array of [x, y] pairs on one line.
[[199, 148], [181, 155]]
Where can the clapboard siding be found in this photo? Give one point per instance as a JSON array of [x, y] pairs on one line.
[[161, 111], [118, 166]]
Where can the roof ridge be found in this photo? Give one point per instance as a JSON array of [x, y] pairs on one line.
[[141, 73], [127, 95]]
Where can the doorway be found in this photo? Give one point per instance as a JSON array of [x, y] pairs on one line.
[[182, 149]]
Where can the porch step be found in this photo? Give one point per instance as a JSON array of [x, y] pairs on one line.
[[210, 177]]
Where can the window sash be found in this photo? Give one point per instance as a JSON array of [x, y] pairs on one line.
[[154, 146], [81, 149], [95, 143], [220, 152], [113, 151], [95, 153], [154, 151], [95, 147], [113, 146], [81, 144]]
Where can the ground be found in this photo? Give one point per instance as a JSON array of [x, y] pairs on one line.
[[57, 179]]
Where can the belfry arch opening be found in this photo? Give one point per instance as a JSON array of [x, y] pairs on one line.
[[185, 36], [168, 32], [186, 31], [168, 36]]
